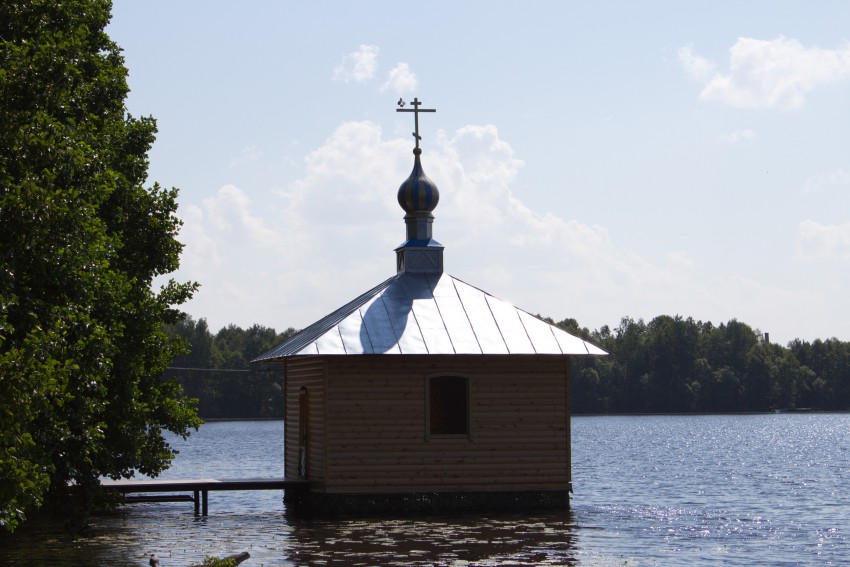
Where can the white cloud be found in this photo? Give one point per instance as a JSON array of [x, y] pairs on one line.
[[291, 258], [354, 164], [340, 222], [359, 66], [229, 213], [824, 182], [823, 241], [400, 79], [228, 247], [681, 260], [199, 250], [249, 154], [769, 306], [215, 233], [774, 73], [739, 135], [697, 67], [541, 260]]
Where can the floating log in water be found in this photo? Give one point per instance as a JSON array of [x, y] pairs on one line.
[[238, 557]]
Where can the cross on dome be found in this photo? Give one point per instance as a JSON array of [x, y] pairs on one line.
[[415, 110]]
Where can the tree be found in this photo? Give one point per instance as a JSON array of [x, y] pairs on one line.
[[830, 362], [199, 341], [670, 344], [82, 339]]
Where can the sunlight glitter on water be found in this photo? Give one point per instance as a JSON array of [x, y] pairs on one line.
[[649, 490]]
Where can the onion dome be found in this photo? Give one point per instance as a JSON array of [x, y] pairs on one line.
[[418, 194]]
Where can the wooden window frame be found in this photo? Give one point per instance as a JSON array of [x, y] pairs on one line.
[[447, 436]]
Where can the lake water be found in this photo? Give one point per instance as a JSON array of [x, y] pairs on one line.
[[649, 490]]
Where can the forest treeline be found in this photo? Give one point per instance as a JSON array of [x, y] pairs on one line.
[[217, 372], [679, 365], [668, 365]]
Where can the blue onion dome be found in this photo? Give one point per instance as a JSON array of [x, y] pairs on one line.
[[418, 194]]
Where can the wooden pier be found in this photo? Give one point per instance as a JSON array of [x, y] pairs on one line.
[[195, 489]]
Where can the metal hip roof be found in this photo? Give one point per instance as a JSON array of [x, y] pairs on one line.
[[429, 313]]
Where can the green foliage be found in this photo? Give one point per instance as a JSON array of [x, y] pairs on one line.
[[677, 365], [82, 339], [216, 370]]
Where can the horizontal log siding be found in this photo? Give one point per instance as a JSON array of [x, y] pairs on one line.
[[377, 442], [308, 372]]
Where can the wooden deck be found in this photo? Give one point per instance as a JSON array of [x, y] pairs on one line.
[[178, 490]]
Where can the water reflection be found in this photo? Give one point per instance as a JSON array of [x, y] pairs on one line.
[[128, 537], [499, 540]]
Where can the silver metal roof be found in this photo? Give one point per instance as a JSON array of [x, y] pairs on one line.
[[429, 313]]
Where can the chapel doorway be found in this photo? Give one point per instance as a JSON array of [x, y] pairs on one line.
[[303, 433]]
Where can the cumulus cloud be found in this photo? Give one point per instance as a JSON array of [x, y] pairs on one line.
[[293, 256], [225, 223], [681, 260], [229, 213], [359, 66], [823, 241], [341, 220], [824, 182], [739, 136], [249, 154], [699, 68], [776, 73], [354, 164], [541, 260], [229, 241], [200, 249], [400, 79]]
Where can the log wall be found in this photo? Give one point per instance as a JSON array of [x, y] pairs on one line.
[[307, 372], [368, 426]]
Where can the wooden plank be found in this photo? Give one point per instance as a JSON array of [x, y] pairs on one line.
[[356, 406], [159, 498], [422, 474], [472, 484], [153, 490], [456, 478], [486, 467], [560, 487], [517, 447], [551, 451], [476, 469], [191, 484]]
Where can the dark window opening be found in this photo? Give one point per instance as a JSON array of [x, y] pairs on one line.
[[448, 405]]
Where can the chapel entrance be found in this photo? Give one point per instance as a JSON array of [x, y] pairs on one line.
[[303, 433]]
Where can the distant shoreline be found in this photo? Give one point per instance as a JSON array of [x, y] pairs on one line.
[[779, 412], [776, 412]]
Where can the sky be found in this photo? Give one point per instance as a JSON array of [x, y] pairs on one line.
[[595, 160]]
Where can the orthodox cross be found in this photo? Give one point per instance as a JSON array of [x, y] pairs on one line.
[[415, 110]]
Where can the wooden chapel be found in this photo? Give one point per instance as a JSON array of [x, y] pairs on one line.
[[426, 393]]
